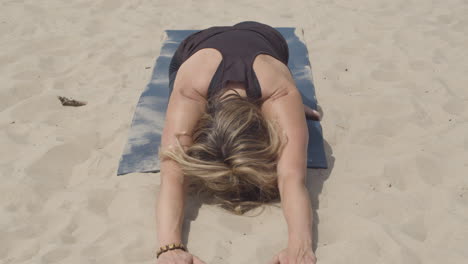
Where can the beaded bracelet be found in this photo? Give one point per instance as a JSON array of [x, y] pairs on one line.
[[170, 247]]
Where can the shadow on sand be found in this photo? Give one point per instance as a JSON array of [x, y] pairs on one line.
[[316, 179]]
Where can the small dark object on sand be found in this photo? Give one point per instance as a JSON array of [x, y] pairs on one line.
[[70, 102]]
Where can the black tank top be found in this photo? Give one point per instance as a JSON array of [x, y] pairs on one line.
[[239, 45]]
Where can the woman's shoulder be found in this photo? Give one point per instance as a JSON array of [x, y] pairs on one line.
[[273, 75], [197, 71]]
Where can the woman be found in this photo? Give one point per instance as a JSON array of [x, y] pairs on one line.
[[235, 130]]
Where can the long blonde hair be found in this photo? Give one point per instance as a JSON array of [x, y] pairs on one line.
[[234, 155]]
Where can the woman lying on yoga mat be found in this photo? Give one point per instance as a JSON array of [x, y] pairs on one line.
[[239, 140]]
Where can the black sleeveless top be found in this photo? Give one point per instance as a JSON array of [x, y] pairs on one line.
[[239, 45]]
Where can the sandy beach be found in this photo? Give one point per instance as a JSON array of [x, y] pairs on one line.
[[390, 76]]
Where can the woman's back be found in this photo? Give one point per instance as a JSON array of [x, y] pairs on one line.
[[249, 56]]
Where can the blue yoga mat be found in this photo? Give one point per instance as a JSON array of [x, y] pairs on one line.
[[141, 151]]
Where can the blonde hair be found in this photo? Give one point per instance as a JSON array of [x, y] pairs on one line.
[[234, 155]]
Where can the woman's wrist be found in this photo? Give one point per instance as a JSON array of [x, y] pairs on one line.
[[169, 240], [300, 240], [175, 252], [171, 247]]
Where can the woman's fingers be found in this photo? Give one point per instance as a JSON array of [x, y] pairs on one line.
[[311, 113], [275, 260]]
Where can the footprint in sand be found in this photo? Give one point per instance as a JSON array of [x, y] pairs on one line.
[[29, 231], [419, 115], [92, 252], [223, 252], [99, 200], [109, 5], [428, 169], [36, 108], [55, 255], [19, 92], [395, 175], [438, 56], [420, 65], [52, 171], [25, 250], [67, 236], [385, 72], [454, 106], [137, 251], [414, 226], [408, 256]]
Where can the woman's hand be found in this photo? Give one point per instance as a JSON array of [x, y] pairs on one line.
[[178, 256], [312, 114], [295, 255]]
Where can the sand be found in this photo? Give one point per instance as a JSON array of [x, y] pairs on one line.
[[391, 78]]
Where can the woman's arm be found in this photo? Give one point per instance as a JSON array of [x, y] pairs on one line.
[[186, 105], [184, 110], [288, 110], [170, 204]]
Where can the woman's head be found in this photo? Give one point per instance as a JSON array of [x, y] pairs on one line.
[[234, 154]]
